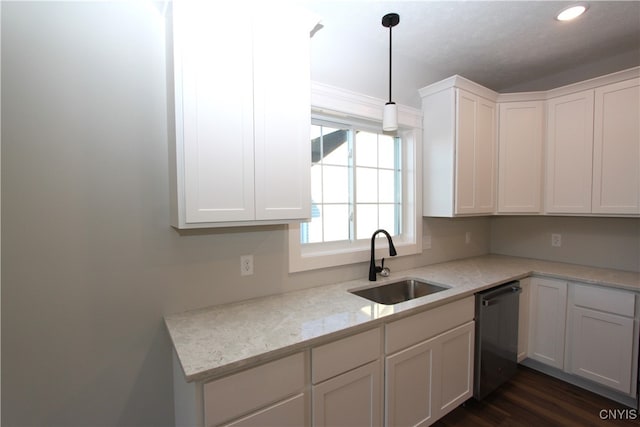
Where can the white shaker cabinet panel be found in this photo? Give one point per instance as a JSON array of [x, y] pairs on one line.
[[475, 154], [520, 157], [459, 149], [410, 386], [242, 115], [350, 399], [215, 124], [282, 97], [569, 153], [616, 151], [602, 347], [548, 311]]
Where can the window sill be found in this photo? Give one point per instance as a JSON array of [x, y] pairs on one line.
[[304, 259]]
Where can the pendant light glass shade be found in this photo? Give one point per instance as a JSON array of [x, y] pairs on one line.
[[390, 113], [390, 117]]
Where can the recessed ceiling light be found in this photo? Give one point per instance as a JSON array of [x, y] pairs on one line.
[[571, 12]]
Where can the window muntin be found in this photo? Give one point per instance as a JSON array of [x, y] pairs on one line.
[[356, 180]]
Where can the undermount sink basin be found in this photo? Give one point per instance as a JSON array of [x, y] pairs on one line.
[[400, 291]]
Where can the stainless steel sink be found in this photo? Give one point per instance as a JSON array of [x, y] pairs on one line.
[[396, 292]]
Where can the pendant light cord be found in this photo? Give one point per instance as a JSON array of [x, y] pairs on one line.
[[390, 29]]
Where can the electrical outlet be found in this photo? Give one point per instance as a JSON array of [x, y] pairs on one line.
[[467, 237], [246, 265], [556, 240]]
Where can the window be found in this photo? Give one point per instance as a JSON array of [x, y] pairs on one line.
[[362, 180], [356, 184]]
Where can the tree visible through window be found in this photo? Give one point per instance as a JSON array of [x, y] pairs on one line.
[[356, 184]]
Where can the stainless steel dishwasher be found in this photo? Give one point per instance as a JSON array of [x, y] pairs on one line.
[[496, 358]]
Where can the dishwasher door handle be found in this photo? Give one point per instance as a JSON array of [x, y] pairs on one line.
[[494, 298]]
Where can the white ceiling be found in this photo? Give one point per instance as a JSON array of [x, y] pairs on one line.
[[504, 45]]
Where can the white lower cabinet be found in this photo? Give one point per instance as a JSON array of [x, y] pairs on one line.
[[548, 308], [351, 399], [432, 377], [601, 340], [273, 394], [422, 364], [347, 381]]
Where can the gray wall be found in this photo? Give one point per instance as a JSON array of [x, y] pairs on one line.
[[89, 263], [602, 242]]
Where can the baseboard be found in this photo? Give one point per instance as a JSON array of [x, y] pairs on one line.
[[626, 400]]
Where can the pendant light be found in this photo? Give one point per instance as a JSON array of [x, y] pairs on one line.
[[390, 114]]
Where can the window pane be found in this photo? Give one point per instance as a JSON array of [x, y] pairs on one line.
[[352, 167], [335, 147], [387, 218], [335, 184], [366, 220], [311, 232], [387, 186], [386, 151], [366, 149], [366, 185], [316, 184], [336, 222]]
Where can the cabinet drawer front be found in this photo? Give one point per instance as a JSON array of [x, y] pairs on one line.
[[290, 413], [607, 300], [249, 390], [411, 330], [343, 355]]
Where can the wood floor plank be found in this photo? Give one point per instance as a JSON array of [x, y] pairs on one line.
[[533, 399]]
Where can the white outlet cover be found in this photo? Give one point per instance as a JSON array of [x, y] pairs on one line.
[[246, 265]]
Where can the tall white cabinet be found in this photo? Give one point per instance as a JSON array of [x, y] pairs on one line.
[[459, 146], [569, 154], [616, 149], [242, 109], [520, 157]]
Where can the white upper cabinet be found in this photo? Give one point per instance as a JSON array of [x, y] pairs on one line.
[[569, 153], [242, 114], [459, 149], [616, 149], [520, 157]]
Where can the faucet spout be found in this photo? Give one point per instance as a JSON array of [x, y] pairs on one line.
[[373, 269]]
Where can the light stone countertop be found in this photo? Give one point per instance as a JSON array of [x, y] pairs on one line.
[[214, 341]]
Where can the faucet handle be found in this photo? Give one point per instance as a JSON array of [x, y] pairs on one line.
[[384, 271]]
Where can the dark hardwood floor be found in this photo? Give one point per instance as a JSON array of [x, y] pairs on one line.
[[533, 399]]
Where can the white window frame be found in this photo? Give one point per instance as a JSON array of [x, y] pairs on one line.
[[331, 102]]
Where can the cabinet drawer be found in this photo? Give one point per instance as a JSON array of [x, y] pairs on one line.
[[608, 300], [411, 330], [343, 355], [249, 390]]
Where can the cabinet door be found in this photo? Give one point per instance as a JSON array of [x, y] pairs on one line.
[[616, 168], [520, 157], [282, 93], [602, 348], [475, 152], [214, 112], [569, 153], [426, 381], [456, 356], [409, 386], [351, 399], [289, 413], [547, 322]]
